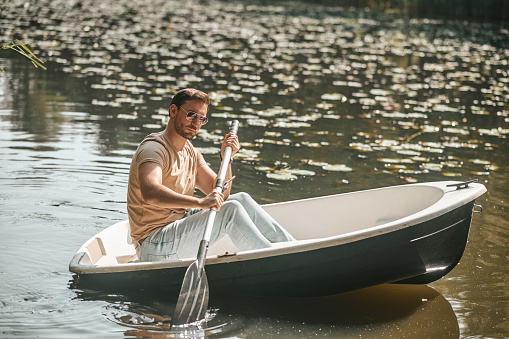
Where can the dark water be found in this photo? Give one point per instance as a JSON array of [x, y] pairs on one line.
[[330, 100]]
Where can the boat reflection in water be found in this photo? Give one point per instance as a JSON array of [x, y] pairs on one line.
[[383, 311]]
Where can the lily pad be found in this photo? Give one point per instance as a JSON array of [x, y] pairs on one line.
[[284, 176], [337, 168]]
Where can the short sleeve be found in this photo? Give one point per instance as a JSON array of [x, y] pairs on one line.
[[200, 160], [152, 151]]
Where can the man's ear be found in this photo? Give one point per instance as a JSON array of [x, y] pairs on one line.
[[173, 110]]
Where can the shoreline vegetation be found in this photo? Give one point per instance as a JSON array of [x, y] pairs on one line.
[[494, 11]]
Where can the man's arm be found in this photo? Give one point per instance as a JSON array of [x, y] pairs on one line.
[[155, 193], [206, 177], [206, 180]]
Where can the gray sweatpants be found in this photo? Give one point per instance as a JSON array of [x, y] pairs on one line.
[[247, 224]]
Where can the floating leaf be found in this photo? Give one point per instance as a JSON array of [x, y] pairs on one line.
[[263, 168], [127, 116], [432, 167], [284, 124], [497, 132], [480, 173], [334, 96], [284, 176], [480, 162], [315, 163], [331, 116], [209, 150], [337, 168], [272, 134], [456, 131], [300, 172], [152, 126], [247, 154], [258, 122], [408, 152], [312, 144], [395, 160], [491, 167], [451, 174], [361, 147]]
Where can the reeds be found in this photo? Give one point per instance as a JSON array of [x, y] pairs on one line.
[[22, 49]]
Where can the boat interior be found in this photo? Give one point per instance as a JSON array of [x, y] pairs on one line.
[[307, 220], [350, 212]]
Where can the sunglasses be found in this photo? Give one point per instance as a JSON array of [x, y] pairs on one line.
[[192, 115]]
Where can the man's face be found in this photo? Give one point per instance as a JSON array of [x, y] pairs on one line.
[[183, 126]]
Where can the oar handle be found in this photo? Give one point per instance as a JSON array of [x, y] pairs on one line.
[[226, 159], [202, 252]]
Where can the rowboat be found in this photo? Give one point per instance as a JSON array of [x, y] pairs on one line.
[[412, 233]]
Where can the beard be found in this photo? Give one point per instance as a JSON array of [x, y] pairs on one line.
[[187, 132]]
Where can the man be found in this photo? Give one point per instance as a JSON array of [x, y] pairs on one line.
[[166, 220]]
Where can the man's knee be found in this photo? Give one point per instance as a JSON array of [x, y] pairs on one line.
[[242, 197], [231, 206], [232, 214]]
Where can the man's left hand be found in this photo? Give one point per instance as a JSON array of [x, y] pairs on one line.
[[230, 140]]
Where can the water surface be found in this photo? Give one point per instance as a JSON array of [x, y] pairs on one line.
[[330, 100]]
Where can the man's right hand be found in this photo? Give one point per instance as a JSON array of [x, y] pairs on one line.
[[214, 199]]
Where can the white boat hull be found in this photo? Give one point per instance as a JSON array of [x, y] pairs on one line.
[[412, 233]]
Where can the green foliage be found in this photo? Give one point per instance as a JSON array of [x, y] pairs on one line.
[[22, 49]]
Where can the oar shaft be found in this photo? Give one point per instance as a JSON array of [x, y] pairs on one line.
[[218, 188], [204, 245], [223, 169], [194, 293]]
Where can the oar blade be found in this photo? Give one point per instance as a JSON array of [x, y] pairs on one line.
[[193, 298]]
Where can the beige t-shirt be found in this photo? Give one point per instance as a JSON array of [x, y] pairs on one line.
[[179, 174]]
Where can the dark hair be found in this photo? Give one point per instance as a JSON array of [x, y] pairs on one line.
[[189, 94]]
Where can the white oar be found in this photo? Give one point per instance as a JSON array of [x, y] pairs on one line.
[[194, 293]]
